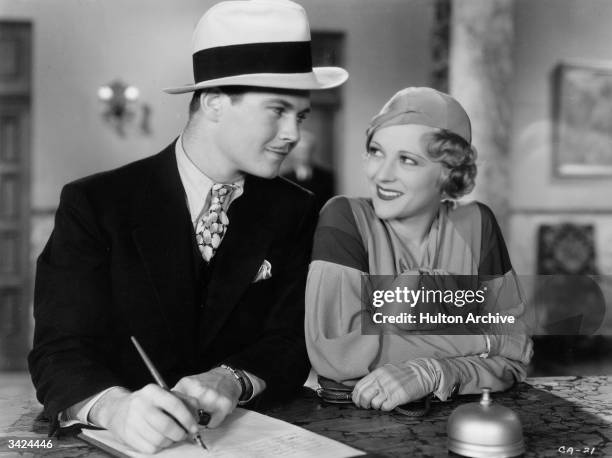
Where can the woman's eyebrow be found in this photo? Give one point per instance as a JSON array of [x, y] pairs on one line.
[[411, 153]]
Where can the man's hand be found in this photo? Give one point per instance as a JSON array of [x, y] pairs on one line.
[[392, 385], [217, 392], [146, 419]]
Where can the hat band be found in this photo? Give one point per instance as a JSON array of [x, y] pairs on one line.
[[274, 57]]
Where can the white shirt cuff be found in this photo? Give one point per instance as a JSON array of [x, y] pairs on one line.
[[68, 417]]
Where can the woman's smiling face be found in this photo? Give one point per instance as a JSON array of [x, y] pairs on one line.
[[403, 180]]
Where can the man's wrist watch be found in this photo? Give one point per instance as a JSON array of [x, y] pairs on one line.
[[245, 383]]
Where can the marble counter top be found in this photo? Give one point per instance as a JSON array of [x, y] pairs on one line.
[[555, 412]]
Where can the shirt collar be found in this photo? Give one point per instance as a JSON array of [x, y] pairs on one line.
[[197, 185]]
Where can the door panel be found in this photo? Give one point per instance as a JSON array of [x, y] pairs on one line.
[[15, 52]]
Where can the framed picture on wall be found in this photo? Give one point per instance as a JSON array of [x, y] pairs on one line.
[[582, 134]]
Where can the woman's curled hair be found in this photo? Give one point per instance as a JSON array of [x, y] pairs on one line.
[[459, 157]]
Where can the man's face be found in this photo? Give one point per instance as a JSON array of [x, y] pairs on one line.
[[257, 130]]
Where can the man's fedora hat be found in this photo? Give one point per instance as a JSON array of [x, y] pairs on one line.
[[263, 43]]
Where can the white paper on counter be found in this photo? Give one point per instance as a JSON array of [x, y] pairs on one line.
[[243, 434]]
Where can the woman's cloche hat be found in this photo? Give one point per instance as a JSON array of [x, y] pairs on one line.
[[264, 43], [425, 106]]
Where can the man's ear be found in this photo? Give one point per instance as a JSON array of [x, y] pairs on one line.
[[212, 103]]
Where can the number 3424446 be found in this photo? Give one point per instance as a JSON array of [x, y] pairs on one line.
[[29, 443]]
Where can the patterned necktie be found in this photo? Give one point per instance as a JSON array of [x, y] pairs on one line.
[[212, 226]]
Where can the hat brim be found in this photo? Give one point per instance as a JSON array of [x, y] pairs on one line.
[[319, 78]]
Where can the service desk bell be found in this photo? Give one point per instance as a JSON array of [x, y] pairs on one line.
[[485, 430]]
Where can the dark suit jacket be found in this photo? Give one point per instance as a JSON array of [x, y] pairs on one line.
[[320, 183], [122, 261]]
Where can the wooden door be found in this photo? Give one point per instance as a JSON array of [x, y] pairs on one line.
[[15, 296]]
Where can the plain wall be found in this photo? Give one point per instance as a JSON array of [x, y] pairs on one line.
[[80, 45], [388, 47], [548, 32]]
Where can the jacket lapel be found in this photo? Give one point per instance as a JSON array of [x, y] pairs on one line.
[[241, 253], [164, 238]]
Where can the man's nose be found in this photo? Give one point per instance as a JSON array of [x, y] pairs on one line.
[[290, 130]]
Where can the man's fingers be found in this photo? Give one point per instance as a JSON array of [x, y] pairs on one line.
[[191, 402], [217, 416], [139, 443], [216, 391], [129, 434], [187, 386], [163, 423], [175, 407], [216, 405], [147, 434], [218, 413], [151, 419]]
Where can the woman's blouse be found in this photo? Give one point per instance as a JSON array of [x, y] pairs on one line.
[[351, 241]]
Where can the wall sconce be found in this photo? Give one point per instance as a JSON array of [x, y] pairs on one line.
[[122, 107]]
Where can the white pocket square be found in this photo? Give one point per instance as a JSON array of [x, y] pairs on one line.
[[265, 272]]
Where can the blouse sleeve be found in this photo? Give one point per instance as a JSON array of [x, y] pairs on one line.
[[472, 373], [336, 348], [511, 350]]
